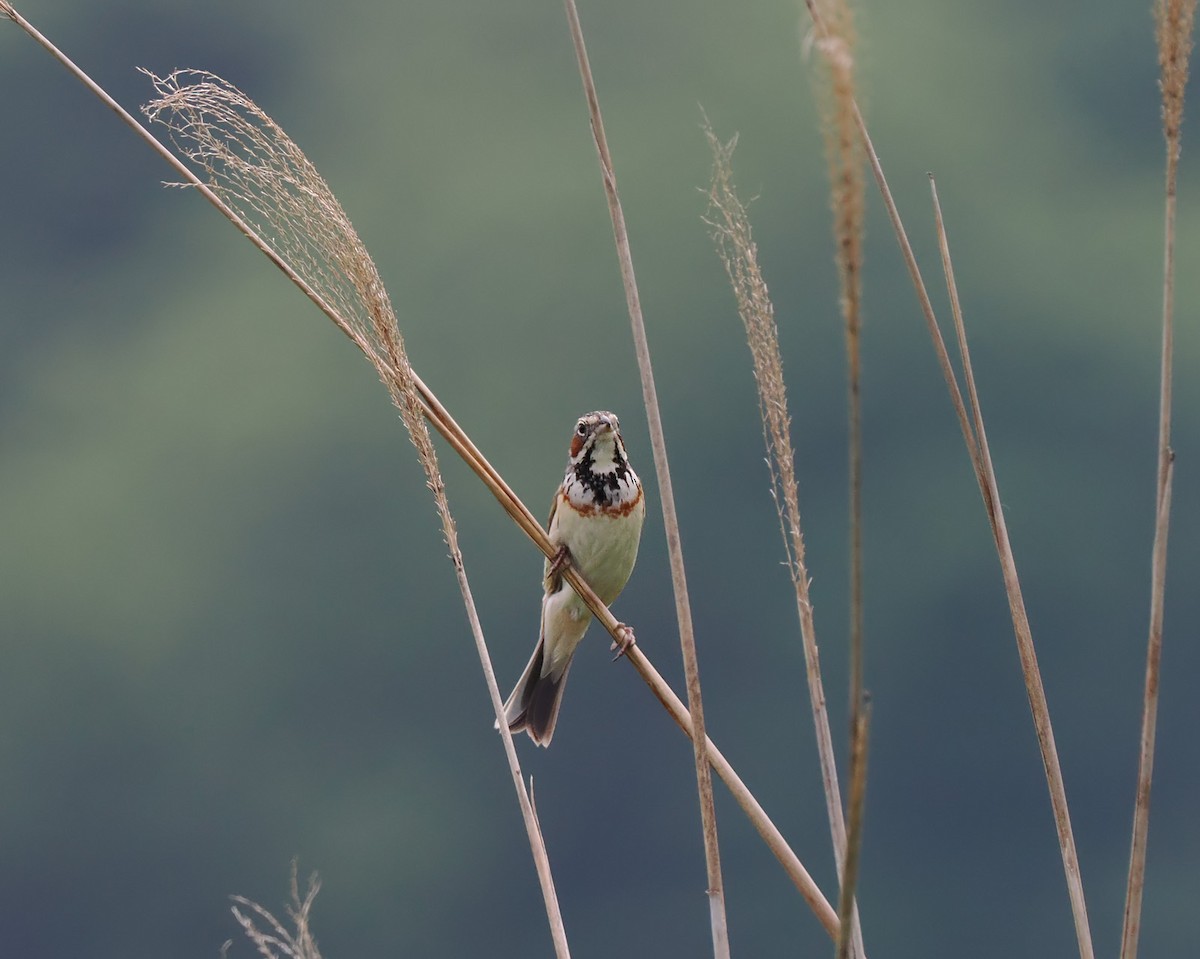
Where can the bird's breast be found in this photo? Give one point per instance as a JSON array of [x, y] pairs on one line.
[[603, 542]]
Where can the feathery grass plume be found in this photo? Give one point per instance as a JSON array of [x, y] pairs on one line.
[[1174, 21], [730, 227], [253, 165], [271, 937], [258, 171], [683, 608]]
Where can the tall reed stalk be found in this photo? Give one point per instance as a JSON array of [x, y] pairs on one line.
[[836, 46], [978, 450], [666, 491], [1174, 22]]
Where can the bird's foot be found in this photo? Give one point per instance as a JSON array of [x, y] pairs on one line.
[[560, 562], [626, 640]]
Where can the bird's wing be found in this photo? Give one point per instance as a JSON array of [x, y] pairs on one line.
[[552, 584]]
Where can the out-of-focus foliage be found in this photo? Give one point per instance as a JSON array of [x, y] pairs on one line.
[[228, 632]]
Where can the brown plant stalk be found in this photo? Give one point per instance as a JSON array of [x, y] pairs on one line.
[[843, 151], [859, 740], [683, 608], [437, 415], [729, 223], [1174, 22], [985, 476], [844, 155]]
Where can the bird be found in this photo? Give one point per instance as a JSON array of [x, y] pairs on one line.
[[596, 525]]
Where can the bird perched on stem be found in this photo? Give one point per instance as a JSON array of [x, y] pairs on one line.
[[596, 523]]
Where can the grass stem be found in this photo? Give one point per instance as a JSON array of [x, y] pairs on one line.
[[1174, 22], [683, 609]]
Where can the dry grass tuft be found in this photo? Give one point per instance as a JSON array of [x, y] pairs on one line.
[[272, 938], [730, 227], [256, 168]]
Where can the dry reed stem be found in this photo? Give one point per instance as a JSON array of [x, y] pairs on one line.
[[276, 941], [1174, 22], [683, 609], [844, 155], [449, 429], [1132, 921], [976, 449], [843, 151], [1024, 635], [859, 740], [732, 233]]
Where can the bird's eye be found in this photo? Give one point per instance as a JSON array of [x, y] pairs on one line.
[[581, 429]]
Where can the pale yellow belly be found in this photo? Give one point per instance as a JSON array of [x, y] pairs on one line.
[[603, 548]]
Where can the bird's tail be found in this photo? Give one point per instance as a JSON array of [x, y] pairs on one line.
[[534, 703]]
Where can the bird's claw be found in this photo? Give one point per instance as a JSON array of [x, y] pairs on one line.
[[626, 640], [560, 561]]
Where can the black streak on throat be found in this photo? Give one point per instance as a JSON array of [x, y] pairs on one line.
[[603, 486]]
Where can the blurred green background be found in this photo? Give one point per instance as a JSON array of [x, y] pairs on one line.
[[229, 635]]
